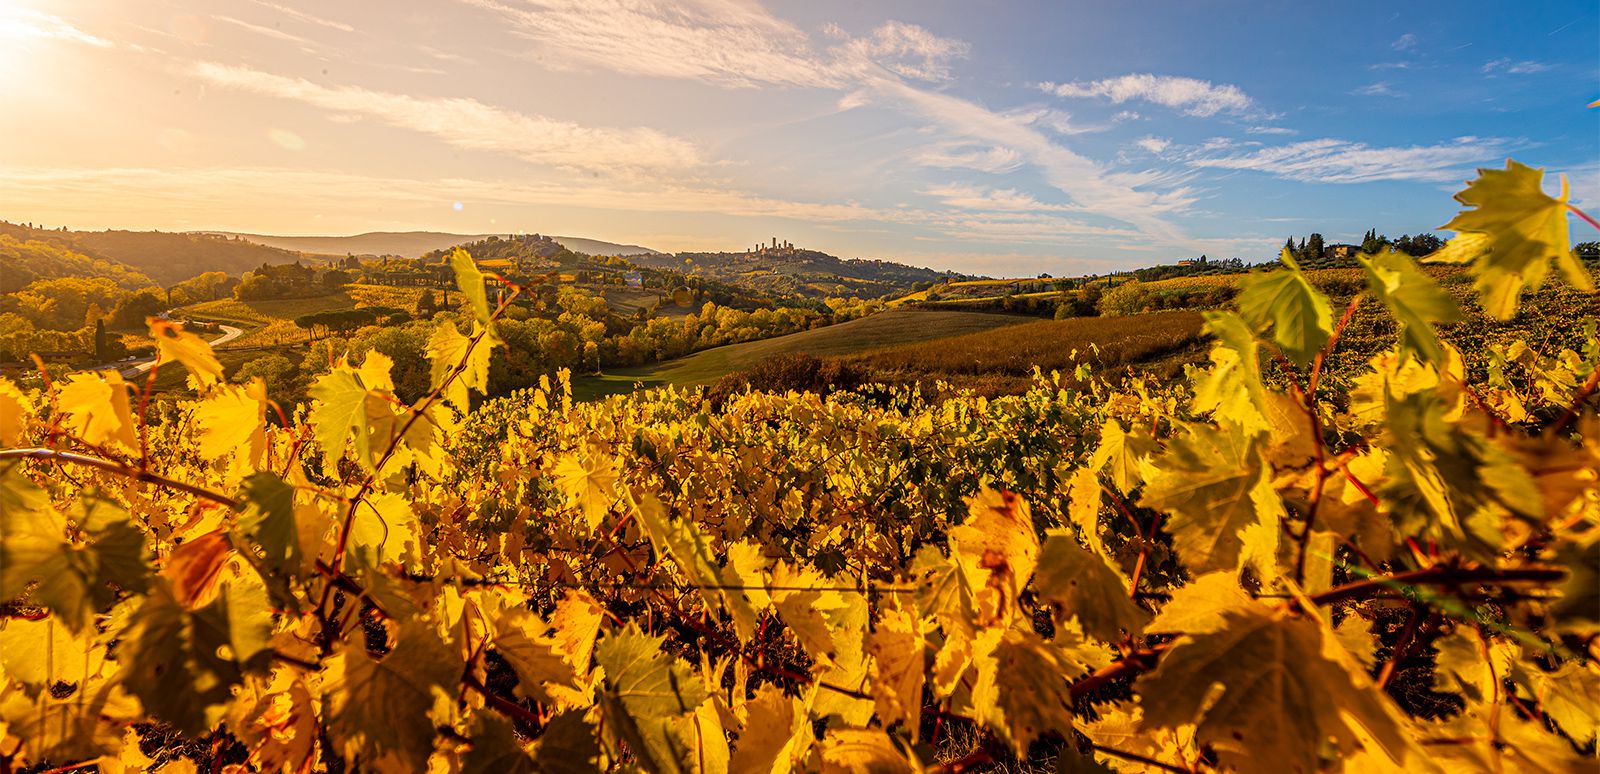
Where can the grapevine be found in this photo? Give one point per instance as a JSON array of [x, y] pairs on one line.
[[1259, 568]]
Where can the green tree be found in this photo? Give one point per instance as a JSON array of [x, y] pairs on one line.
[[100, 341]]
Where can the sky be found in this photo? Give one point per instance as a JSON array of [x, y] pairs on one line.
[[1003, 137]]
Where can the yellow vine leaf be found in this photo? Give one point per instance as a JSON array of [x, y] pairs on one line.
[[448, 349], [276, 720], [97, 408], [777, 735], [1570, 695], [339, 414], [1214, 484], [689, 549], [647, 691], [1120, 454], [898, 646], [1077, 583], [232, 419], [1414, 299], [496, 747], [213, 647], [381, 711], [588, 479], [1231, 389], [1085, 496], [566, 746], [1024, 690], [1511, 230], [470, 280], [82, 725], [1197, 606], [74, 579], [176, 345], [862, 751], [1119, 728], [385, 530], [544, 670], [997, 547], [45, 652], [1261, 689], [16, 408]]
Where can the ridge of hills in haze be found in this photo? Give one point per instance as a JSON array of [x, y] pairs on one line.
[[413, 244], [141, 258], [165, 257]]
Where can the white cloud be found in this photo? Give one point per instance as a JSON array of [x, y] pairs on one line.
[[1379, 89], [909, 50], [737, 43], [271, 32], [24, 23], [1405, 42], [1524, 67], [286, 139], [1153, 144], [1270, 130], [1059, 121], [972, 197], [1191, 95], [1092, 189], [729, 42], [994, 160], [299, 15], [1343, 161], [467, 123]]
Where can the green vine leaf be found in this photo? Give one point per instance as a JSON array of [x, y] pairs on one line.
[[1298, 314], [1511, 231]]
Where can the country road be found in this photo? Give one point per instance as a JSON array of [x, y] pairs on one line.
[[229, 333]]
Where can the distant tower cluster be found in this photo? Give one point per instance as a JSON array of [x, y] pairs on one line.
[[773, 246]]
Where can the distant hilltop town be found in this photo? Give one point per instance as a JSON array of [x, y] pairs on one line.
[[775, 247]]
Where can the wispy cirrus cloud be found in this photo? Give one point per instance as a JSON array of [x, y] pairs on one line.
[[1378, 89], [25, 24], [729, 42], [1405, 42], [1060, 122], [738, 43], [961, 155], [1191, 95], [1153, 144], [905, 49], [468, 123], [271, 32], [975, 197], [1092, 187], [299, 15], [1511, 67], [1343, 161]]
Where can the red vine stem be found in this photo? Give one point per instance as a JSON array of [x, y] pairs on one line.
[[1585, 216], [127, 471]]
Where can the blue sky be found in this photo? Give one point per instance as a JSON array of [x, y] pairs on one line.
[[985, 136]]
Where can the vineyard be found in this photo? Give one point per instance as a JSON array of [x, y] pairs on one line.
[[1264, 567]]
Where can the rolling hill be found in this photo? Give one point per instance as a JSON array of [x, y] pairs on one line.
[[849, 338], [412, 244], [166, 257], [801, 272]]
